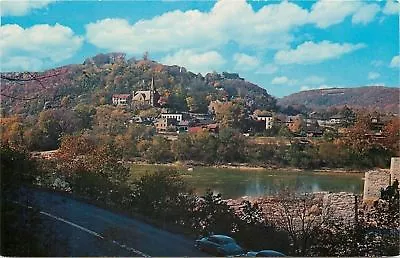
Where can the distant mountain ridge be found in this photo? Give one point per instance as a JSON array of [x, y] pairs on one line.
[[379, 98]]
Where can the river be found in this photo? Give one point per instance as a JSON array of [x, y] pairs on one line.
[[236, 183]]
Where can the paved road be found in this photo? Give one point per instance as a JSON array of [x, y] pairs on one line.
[[88, 230]]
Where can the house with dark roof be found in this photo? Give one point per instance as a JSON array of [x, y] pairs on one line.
[[212, 128]]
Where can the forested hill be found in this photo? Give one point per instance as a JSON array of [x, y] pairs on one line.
[[94, 82], [378, 98]]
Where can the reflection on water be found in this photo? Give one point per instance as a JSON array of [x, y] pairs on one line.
[[234, 183]]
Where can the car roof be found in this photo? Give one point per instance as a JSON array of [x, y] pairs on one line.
[[270, 252], [222, 237]]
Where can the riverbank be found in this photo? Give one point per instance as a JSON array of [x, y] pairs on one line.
[[237, 166], [248, 167]]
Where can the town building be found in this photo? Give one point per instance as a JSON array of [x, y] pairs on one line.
[[120, 99], [268, 120], [293, 123], [142, 97], [146, 98], [164, 124], [323, 122], [336, 119], [177, 117], [198, 116], [212, 128], [136, 119], [182, 126]]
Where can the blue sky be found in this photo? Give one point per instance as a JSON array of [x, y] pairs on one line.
[[283, 46]]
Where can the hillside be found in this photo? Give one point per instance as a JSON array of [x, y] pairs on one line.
[[378, 98], [94, 82]]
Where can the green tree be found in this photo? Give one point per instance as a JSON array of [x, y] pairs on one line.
[[256, 233], [158, 193], [231, 145], [183, 147], [110, 120], [159, 150], [86, 114], [205, 147], [214, 215], [23, 233], [231, 114]]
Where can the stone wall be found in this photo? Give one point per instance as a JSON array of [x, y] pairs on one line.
[[377, 179], [340, 206], [374, 181], [321, 206], [395, 169]]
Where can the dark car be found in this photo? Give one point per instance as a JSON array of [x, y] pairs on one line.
[[219, 245], [265, 253]]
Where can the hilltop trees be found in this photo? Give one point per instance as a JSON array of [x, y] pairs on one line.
[[109, 120], [93, 83], [12, 130], [231, 146], [392, 136], [364, 147], [230, 114]]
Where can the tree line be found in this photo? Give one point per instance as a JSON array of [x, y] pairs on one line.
[[106, 126], [168, 202]]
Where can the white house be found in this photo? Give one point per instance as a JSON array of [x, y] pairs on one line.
[[120, 99], [336, 119], [268, 120], [178, 117]]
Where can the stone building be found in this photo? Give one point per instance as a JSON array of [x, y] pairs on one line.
[[146, 98]]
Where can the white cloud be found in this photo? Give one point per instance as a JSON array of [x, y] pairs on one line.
[[376, 84], [245, 62], [312, 53], [267, 69], [283, 80], [377, 63], [270, 27], [31, 48], [365, 14], [314, 80], [267, 28], [21, 63], [306, 82], [395, 63], [280, 80], [20, 8], [373, 75], [327, 12], [304, 88], [391, 7], [198, 62], [321, 87]]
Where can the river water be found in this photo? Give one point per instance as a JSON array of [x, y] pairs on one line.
[[236, 183]]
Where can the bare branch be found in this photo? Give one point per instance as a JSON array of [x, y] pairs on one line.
[[18, 98], [32, 77], [20, 80]]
